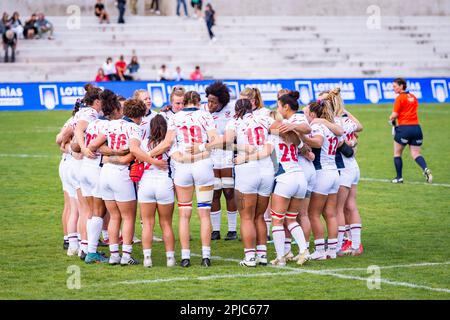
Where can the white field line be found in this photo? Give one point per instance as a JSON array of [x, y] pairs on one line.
[[408, 182], [24, 155], [388, 111], [295, 271], [412, 265]]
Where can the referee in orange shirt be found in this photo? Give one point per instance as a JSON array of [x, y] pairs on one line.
[[407, 130]]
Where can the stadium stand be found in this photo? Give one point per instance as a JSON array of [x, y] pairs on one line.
[[247, 47]]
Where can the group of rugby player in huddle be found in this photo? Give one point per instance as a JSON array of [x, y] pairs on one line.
[[286, 167]]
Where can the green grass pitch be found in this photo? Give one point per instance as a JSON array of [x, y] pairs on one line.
[[404, 227]]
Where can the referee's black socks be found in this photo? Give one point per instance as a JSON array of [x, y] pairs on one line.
[[398, 166], [421, 162]]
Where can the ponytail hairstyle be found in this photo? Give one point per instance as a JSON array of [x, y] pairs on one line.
[[192, 97], [110, 102], [290, 99], [92, 94], [336, 102], [321, 110], [242, 107], [158, 130], [401, 82], [78, 104], [253, 94]]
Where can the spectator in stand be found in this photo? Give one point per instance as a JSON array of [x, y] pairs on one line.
[[44, 27], [121, 67], [100, 12], [179, 2], [29, 30], [16, 25], [4, 23], [155, 3], [196, 74], [197, 5], [121, 6], [133, 68], [109, 69], [163, 74], [210, 21], [10, 41], [101, 77], [178, 75]]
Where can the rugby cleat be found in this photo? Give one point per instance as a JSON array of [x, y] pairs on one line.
[[301, 258], [66, 245], [261, 260], [251, 263], [185, 263], [278, 262], [331, 254], [269, 239], [215, 235], [428, 176], [148, 262], [355, 252], [397, 180], [289, 256], [72, 252], [82, 255], [206, 262], [318, 255], [171, 262], [114, 260], [95, 258], [128, 261], [231, 235]]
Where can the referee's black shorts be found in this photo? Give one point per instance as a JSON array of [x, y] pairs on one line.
[[409, 134]]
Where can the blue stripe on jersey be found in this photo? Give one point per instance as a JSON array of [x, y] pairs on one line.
[[127, 119], [170, 169], [280, 170], [300, 112], [102, 118], [148, 113], [191, 109], [316, 162], [339, 161]]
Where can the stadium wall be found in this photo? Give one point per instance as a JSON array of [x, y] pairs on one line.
[[63, 95], [249, 7]]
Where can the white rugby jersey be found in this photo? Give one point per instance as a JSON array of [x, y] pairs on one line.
[[324, 156], [151, 170], [87, 114], [287, 155], [191, 126], [252, 130], [222, 117], [167, 114], [93, 130], [349, 127], [145, 124], [120, 132]]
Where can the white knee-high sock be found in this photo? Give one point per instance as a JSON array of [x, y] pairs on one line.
[[94, 231], [297, 233], [232, 220], [341, 232], [73, 241], [215, 220], [320, 245], [355, 230], [287, 245], [278, 240]]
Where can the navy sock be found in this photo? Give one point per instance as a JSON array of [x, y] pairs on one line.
[[421, 162], [398, 166]]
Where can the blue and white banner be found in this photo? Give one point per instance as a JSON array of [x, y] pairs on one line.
[[62, 95]]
